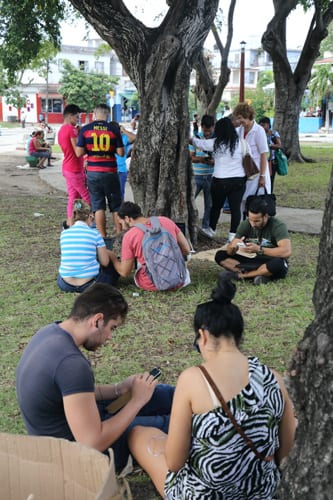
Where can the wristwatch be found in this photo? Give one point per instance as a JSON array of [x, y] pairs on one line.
[[260, 251]]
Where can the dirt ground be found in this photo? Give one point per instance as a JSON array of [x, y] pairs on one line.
[[18, 181], [26, 181]]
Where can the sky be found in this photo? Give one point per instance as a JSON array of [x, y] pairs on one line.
[[248, 24]]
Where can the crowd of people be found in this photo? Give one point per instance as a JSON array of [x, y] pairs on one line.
[[223, 431]]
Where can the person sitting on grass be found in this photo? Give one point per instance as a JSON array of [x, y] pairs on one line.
[[55, 383], [205, 454], [132, 254], [85, 259], [266, 241]]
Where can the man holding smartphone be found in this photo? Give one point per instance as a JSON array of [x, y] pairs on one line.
[[55, 384], [260, 248]]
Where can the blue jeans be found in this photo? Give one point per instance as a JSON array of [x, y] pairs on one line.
[[203, 183], [122, 179], [106, 275], [156, 413]]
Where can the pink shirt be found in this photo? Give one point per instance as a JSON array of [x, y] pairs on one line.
[[132, 249], [71, 163]]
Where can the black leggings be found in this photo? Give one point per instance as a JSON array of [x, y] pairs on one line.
[[232, 188]]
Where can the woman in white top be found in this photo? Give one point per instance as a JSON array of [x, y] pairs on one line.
[[255, 136], [228, 177]]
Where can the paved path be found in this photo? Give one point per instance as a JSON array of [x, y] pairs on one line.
[[298, 220]]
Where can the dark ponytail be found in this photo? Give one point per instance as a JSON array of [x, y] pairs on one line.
[[220, 316]]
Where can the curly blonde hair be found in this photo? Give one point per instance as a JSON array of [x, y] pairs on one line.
[[245, 110]]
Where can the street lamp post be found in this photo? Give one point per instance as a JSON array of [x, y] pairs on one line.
[[242, 71], [47, 92]]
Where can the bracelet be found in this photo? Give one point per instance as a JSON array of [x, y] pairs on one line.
[[262, 175], [116, 393]]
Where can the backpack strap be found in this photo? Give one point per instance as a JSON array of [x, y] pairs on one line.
[[155, 226]]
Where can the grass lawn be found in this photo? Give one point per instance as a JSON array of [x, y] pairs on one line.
[[158, 331]]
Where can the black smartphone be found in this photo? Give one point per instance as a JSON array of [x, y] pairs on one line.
[[155, 372]]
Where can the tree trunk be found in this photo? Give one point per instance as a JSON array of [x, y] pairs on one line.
[[159, 62], [207, 91], [290, 85], [308, 474]]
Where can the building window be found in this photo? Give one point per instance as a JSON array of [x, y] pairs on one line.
[[235, 77], [99, 67], [84, 66], [252, 77], [54, 106]]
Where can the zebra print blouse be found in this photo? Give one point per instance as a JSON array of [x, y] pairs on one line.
[[220, 464]]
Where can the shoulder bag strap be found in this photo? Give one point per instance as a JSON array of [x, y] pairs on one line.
[[238, 428]]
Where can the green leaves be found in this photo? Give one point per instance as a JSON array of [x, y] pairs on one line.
[[86, 90], [25, 27]]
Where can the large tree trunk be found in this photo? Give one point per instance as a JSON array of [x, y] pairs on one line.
[[290, 85], [309, 471], [159, 62]]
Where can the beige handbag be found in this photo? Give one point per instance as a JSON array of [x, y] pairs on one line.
[[250, 168]]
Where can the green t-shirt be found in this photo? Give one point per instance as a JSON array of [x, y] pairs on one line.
[[268, 237]]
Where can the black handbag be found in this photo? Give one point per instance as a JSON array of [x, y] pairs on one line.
[[270, 199]]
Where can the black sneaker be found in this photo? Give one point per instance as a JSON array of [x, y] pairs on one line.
[[65, 225], [261, 280]]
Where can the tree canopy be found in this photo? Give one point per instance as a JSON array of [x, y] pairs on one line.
[[25, 26], [86, 90]]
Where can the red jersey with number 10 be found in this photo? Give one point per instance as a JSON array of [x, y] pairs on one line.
[[100, 140]]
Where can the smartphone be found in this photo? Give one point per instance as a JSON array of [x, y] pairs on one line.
[[155, 372]]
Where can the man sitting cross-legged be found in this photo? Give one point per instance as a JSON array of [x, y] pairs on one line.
[[262, 237]]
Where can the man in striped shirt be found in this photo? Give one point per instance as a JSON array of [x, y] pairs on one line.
[[100, 140]]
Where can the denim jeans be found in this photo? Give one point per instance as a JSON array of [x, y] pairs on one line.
[[156, 413], [203, 183], [106, 275], [122, 179]]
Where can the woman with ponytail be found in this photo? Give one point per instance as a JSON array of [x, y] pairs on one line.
[[85, 259], [232, 421]]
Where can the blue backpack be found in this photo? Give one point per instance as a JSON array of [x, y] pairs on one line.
[[165, 264]]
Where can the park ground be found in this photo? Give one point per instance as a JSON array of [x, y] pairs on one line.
[[158, 330]]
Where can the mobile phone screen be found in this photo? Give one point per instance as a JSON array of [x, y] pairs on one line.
[[155, 372]]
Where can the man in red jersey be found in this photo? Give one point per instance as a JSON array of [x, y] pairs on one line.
[[72, 166], [100, 140]]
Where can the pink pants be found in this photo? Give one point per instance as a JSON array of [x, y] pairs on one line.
[[76, 188]]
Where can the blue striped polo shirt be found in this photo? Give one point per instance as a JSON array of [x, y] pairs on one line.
[[78, 246]]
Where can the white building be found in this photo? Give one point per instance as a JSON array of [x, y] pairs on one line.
[[38, 89]]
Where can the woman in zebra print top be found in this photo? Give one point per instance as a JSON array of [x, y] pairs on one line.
[[204, 457]]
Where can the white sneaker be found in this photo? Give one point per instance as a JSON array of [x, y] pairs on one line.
[[212, 232], [207, 231]]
